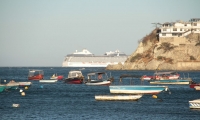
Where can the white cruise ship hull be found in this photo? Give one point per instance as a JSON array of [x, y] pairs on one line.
[[87, 64]]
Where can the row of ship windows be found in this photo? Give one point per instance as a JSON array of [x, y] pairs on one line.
[[97, 60], [94, 59]]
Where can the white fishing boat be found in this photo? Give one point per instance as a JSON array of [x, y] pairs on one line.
[[86, 59], [15, 105], [24, 84], [194, 103], [118, 97], [98, 78], [48, 81], [185, 81]]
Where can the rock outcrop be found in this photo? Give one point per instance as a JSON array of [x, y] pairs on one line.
[[172, 53]]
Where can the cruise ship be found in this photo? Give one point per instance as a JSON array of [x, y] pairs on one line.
[[86, 59]]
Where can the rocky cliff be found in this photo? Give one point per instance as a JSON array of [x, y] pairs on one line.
[[174, 53]]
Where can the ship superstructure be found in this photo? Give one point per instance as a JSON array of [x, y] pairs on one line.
[[86, 59]]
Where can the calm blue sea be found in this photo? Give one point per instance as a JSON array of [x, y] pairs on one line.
[[61, 101]]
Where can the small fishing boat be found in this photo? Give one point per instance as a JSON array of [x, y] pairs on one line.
[[74, 77], [98, 78], [186, 81], [56, 77], [135, 89], [15, 105], [35, 74], [162, 75], [162, 79], [118, 97], [194, 104], [48, 81], [12, 85], [194, 84]]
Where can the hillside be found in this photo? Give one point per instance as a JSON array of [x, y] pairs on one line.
[[171, 53]]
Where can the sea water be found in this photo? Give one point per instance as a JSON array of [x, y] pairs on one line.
[[61, 101]]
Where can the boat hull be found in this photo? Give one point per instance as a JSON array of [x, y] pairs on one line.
[[37, 77], [99, 83], [57, 78], [179, 82], [73, 81], [118, 97], [12, 86], [194, 104], [136, 89], [24, 84], [48, 81], [2, 88], [194, 85]]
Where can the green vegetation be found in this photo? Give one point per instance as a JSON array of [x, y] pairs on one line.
[[166, 47], [136, 57], [151, 37]]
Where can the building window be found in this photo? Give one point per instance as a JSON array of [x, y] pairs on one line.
[[194, 24], [185, 24], [164, 29], [174, 34], [174, 29], [181, 29], [163, 34]]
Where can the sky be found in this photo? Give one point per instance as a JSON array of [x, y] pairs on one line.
[[43, 32]]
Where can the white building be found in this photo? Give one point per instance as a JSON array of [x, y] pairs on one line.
[[180, 28]]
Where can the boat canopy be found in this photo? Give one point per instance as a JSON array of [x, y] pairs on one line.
[[75, 72], [132, 76], [36, 72], [162, 73]]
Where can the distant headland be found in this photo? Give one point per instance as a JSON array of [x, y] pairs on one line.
[[171, 46]]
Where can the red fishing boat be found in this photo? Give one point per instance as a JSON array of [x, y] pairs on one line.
[[162, 75], [74, 77], [35, 75], [56, 77], [193, 84]]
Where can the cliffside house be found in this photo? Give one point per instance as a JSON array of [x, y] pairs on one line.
[[180, 28]]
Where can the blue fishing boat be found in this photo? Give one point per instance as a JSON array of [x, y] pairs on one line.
[[135, 89], [2, 87]]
